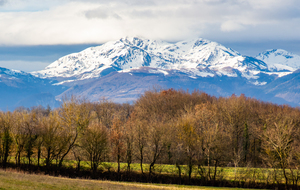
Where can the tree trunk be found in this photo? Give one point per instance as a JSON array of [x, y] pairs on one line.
[[190, 165], [141, 159], [70, 147], [119, 168], [150, 168], [179, 172], [215, 172], [48, 158], [286, 178], [39, 156], [6, 147], [78, 165]]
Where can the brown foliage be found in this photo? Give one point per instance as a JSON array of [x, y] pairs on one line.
[[166, 126]]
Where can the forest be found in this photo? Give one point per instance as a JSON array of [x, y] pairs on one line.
[[192, 131]]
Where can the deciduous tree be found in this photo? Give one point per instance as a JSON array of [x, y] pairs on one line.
[[94, 142]]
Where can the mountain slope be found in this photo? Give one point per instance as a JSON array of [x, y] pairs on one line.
[[122, 70], [286, 87], [127, 86], [17, 87], [197, 58], [280, 60]]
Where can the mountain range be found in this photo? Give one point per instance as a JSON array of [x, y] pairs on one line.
[[121, 70]]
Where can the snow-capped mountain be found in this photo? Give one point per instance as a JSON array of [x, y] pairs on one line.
[[14, 78], [280, 60], [122, 70], [19, 88], [197, 58]]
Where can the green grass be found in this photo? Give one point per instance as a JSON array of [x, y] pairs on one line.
[[255, 175], [21, 181]]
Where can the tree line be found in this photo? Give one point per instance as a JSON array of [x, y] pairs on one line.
[[170, 126]]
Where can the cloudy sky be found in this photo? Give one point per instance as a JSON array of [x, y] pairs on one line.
[[34, 33]]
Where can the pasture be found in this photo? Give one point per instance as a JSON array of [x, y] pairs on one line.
[[24, 181]]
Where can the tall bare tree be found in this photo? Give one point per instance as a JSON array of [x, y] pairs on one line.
[[94, 143], [5, 137], [75, 115], [54, 137]]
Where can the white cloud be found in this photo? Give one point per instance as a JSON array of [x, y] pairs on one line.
[[230, 26], [97, 21], [3, 2]]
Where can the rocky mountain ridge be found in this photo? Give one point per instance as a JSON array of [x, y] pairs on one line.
[[197, 58], [123, 69]]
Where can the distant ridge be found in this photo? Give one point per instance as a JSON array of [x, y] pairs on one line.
[[18, 88], [197, 58], [280, 60], [121, 70]]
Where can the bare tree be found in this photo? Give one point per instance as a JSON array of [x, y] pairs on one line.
[[212, 141], [129, 141], [105, 111], [188, 138], [94, 142], [156, 142], [5, 137], [140, 141], [54, 137], [20, 133], [117, 140], [75, 116], [278, 146]]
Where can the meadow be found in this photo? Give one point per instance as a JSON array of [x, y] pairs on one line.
[[163, 174], [258, 175], [11, 179]]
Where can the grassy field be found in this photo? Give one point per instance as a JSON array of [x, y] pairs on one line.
[[258, 175], [15, 180], [227, 173]]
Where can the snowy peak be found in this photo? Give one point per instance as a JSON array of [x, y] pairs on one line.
[[126, 67], [197, 58], [280, 60], [98, 61], [19, 88], [12, 77], [11, 72]]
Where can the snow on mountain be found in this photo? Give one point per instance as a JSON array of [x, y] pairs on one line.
[[19, 88], [121, 70], [280, 60], [198, 58], [14, 78]]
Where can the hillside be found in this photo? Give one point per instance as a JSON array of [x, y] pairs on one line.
[[121, 70]]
